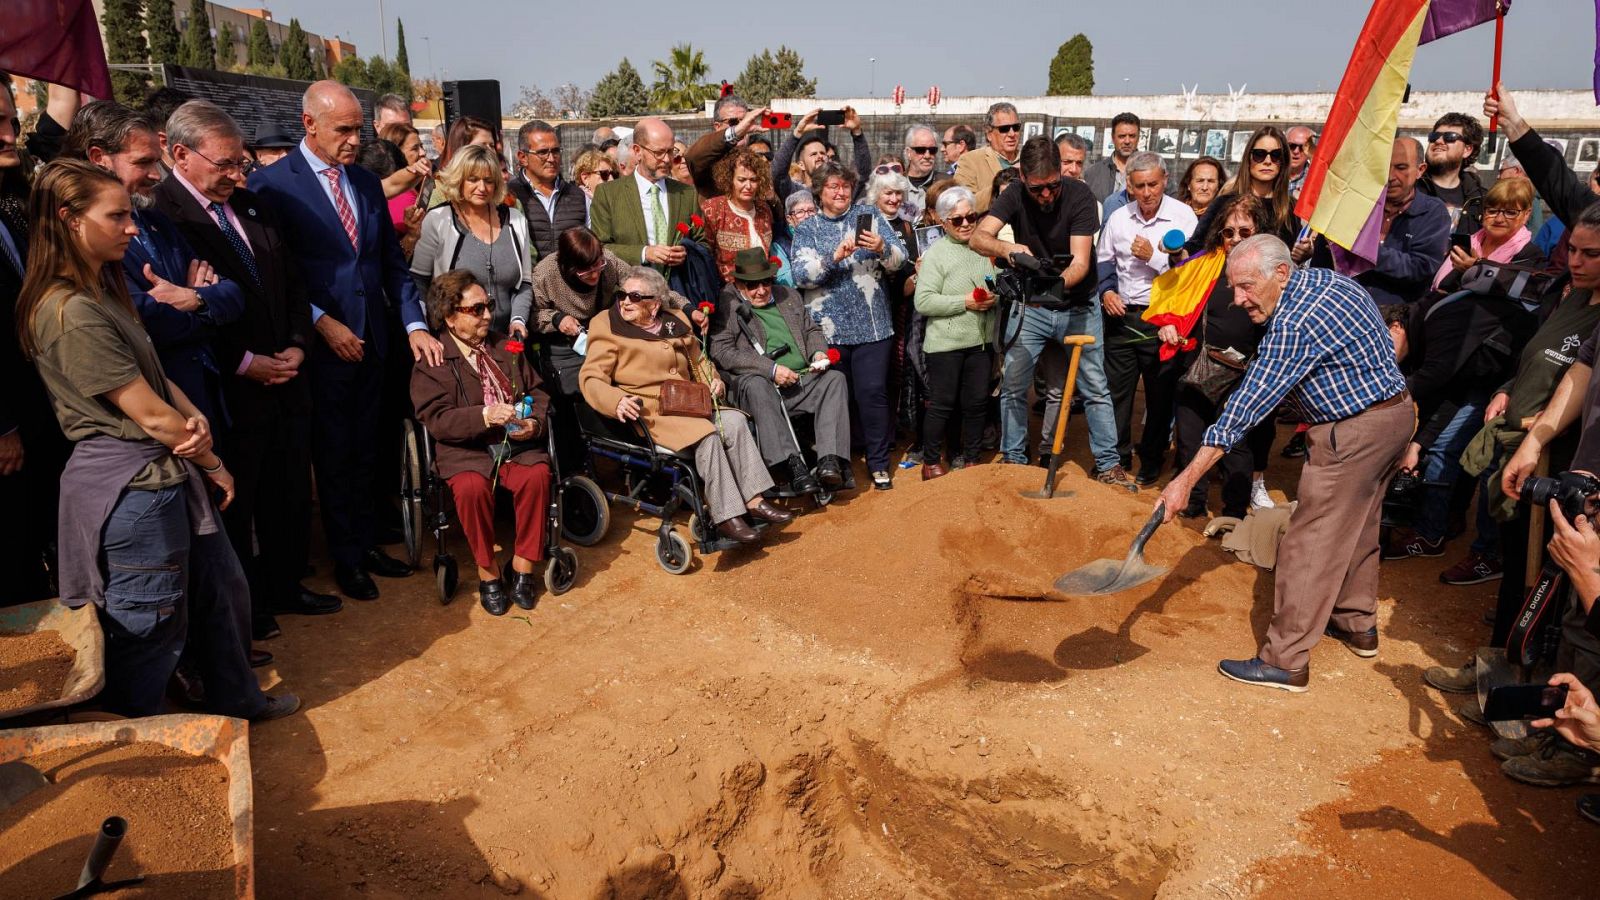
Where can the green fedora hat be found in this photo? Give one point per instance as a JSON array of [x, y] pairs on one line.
[[753, 264]]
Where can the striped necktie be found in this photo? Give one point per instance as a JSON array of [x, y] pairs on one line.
[[235, 240], [347, 216]]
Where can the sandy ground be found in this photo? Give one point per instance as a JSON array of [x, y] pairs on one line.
[[887, 701]]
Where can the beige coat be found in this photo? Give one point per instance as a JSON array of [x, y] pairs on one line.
[[623, 360], [975, 170]]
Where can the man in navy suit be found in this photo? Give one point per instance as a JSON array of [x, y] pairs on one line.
[[358, 284], [181, 300]]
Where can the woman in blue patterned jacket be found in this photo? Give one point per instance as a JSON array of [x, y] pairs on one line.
[[840, 270]]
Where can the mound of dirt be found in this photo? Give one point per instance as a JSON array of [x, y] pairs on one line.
[[176, 805], [33, 668]]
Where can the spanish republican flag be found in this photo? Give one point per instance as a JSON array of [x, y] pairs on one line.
[[1343, 194], [1178, 295]]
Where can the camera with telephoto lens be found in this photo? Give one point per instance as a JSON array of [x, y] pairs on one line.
[[1575, 492]]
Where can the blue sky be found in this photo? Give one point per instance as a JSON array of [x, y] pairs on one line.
[[1271, 46]]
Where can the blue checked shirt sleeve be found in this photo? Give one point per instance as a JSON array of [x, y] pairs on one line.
[[1284, 358]]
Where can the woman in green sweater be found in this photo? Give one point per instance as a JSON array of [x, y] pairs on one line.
[[959, 344]]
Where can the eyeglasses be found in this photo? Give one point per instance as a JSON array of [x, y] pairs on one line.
[[1229, 233], [1039, 190], [477, 310], [225, 165], [1007, 129], [1502, 213], [886, 168], [669, 153], [632, 296], [547, 152], [1449, 137], [963, 221], [803, 211], [595, 268], [1259, 155], [923, 150]]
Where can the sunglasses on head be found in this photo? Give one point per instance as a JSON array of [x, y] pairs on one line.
[[1449, 137], [632, 296], [1259, 155], [1229, 233], [477, 310], [1008, 129], [886, 168], [962, 221]]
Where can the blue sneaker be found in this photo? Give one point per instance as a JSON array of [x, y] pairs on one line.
[[1254, 671]]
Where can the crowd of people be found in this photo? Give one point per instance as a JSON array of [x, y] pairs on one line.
[[205, 324]]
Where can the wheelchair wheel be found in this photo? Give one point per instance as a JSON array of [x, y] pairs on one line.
[[674, 553], [585, 512], [561, 571], [412, 515], [446, 576]]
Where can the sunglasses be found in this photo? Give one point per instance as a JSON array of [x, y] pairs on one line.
[[886, 168], [605, 175], [632, 296], [1298, 148], [1259, 155], [923, 150], [477, 310], [962, 221], [1449, 137], [1229, 233], [1039, 190], [1008, 129]]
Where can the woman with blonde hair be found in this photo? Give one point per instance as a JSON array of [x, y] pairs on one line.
[[474, 230]]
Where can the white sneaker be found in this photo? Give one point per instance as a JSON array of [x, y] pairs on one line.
[[1259, 498]]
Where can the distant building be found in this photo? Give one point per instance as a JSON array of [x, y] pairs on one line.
[[231, 29]]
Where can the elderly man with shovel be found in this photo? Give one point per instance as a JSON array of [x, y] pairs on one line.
[[1327, 350]]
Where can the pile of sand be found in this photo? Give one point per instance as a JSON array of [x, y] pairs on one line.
[[33, 668]]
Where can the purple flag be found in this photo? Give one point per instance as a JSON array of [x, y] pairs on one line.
[[1446, 17]]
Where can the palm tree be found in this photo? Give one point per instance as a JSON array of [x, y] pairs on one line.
[[681, 81]]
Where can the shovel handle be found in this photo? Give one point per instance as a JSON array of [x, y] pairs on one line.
[[1156, 518]]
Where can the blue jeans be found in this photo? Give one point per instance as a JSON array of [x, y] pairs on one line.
[[1049, 326], [163, 584], [1441, 466]]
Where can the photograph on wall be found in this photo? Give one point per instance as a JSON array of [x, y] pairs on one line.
[[1032, 129], [1191, 142], [1588, 154], [1216, 143], [1240, 139], [1559, 144], [1105, 143], [1493, 151], [1144, 139], [1167, 141], [1087, 133]]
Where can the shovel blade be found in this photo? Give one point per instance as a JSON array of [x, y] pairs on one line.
[[18, 780], [1108, 576]]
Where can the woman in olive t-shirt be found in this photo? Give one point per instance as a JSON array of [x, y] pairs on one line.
[[139, 536]]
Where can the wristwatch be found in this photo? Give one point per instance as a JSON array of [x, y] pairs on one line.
[[730, 136]]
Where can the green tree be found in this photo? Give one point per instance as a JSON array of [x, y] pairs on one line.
[[767, 76], [620, 93], [161, 27], [260, 51], [681, 81], [1072, 71], [295, 54], [198, 50], [352, 71], [402, 61], [227, 48], [125, 44]]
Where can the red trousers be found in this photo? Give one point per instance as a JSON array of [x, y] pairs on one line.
[[530, 491]]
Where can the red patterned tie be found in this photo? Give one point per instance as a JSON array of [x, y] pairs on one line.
[[347, 216]]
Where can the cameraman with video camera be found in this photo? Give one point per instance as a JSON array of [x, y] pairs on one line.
[[1054, 221]]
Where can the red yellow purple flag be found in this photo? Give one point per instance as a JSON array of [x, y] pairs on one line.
[[1178, 295]]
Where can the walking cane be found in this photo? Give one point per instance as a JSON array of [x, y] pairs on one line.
[[1077, 342]]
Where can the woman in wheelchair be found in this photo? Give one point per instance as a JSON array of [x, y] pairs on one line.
[[635, 350], [469, 404]]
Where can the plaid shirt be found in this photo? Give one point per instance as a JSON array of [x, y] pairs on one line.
[[1325, 343]]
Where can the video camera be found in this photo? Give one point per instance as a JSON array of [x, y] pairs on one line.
[[1021, 278], [1574, 491]]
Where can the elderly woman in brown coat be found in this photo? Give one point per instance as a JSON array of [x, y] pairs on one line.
[[470, 404], [636, 346]]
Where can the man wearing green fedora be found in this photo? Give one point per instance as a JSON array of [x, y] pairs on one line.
[[774, 353]]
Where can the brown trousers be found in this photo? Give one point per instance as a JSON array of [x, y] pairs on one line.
[[1328, 560]]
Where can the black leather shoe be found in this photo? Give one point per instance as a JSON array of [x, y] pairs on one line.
[[277, 707], [801, 481], [259, 658], [525, 590], [492, 594], [355, 584], [768, 513], [382, 564], [305, 602], [830, 471], [735, 529]]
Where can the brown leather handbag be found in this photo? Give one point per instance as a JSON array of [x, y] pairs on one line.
[[685, 398]]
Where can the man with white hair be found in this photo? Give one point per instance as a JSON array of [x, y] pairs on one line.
[[365, 309], [921, 154], [391, 109], [1302, 141], [1327, 350]]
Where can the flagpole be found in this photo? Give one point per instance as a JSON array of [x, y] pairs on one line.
[[1499, 36]]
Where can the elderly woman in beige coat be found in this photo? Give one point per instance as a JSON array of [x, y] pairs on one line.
[[633, 348]]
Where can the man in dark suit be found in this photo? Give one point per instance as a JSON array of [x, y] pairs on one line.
[[268, 439], [360, 291], [637, 218]]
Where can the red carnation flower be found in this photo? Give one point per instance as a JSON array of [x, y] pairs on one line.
[[833, 355], [683, 229], [774, 260], [707, 307], [979, 294], [513, 346], [697, 221]]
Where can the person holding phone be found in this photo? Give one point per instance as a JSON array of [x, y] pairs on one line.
[[842, 257]]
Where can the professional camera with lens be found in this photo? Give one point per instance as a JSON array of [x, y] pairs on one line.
[[1023, 279], [1575, 492]]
